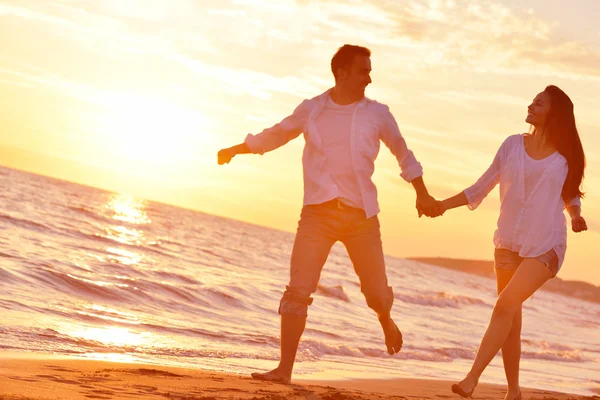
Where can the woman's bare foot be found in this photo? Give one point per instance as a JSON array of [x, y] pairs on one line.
[[275, 375], [466, 387]]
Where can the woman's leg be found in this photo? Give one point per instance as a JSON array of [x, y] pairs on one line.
[[511, 349], [528, 278]]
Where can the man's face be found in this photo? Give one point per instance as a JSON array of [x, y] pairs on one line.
[[359, 76]]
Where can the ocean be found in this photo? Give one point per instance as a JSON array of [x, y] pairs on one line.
[[93, 274]]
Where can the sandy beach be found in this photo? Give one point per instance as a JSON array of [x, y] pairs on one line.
[[29, 377]]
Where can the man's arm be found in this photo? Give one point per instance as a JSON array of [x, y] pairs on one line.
[[271, 138], [411, 169], [426, 204], [224, 156]]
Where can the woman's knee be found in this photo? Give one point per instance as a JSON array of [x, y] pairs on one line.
[[506, 306]]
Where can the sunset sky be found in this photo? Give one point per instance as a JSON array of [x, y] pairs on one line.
[[138, 96]]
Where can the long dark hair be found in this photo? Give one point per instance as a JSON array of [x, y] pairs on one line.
[[561, 130]]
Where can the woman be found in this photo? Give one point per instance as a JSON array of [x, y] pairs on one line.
[[540, 174]]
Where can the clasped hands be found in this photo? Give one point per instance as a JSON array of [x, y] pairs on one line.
[[430, 207]]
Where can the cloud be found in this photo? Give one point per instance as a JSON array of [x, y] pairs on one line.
[[473, 99], [464, 34]]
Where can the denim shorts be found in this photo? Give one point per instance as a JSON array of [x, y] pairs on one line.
[[506, 259]]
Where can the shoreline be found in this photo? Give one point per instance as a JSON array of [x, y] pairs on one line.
[[34, 376]]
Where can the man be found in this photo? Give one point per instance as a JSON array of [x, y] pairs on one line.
[[342, 129]]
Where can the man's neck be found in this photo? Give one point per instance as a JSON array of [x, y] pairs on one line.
[[343, 97]]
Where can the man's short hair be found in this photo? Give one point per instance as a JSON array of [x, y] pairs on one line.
[[344, 57]]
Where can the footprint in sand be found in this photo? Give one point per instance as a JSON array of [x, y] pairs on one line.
[[58, 379]]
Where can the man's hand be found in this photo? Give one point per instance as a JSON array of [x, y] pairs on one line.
[[438, 210], [427, 205], [224, 156], [578, 224]]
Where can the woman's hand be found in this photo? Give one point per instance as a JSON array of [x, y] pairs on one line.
[[438, 210], [578, 224]]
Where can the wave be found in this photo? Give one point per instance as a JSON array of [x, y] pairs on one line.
[[96, 237], [6, 276], [53, 341], [6, 255], [335, 292], [564, 356], [100, 289], [176, 277], [318, 332], [543, 350], [24, 223], [14, 305], [223, 297], [542, 344], [167, 243], [312, 350], [440, 299], [221, 335], [183, 297], [87, 212]]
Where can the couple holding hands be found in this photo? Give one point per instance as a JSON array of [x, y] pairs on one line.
[[539, 173]]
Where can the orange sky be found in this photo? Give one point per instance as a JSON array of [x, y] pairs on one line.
[[138, 96]]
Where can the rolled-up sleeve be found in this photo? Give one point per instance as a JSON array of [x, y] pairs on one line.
[[488, 181], [390, 135], [279, 134], [575, 201]]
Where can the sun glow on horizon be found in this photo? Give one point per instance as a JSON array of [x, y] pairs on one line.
[[138, 98], [147, 131]]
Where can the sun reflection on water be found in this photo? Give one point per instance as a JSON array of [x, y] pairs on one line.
[[127, 209], [113, 336], [124, 210]]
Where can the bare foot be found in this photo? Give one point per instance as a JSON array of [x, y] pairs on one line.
[[513, 395], [393, 336], [466, 387], [273, 376]]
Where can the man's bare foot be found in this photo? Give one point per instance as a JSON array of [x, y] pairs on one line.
[[513, 395], [273, 376], [466, 387], [393, 336]]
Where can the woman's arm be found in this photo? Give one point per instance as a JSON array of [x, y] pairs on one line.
[[574, 211], [578, 223], [454, 202]]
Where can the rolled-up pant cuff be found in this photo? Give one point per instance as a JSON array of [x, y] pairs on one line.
[[294, 304], [381, 303]]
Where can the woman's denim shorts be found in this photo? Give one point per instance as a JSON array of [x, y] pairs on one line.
[[506, 259]]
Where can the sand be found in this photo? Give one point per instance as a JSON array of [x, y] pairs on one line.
[[43, 377]]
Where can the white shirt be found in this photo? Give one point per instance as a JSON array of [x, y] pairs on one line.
[[334, 124], [371, 123], [534, 169], [531, 224]]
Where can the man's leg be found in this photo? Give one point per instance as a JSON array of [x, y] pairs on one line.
[[363, 242], [317, 232]]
